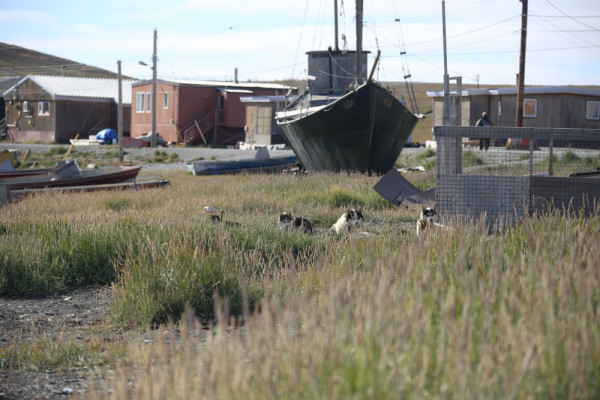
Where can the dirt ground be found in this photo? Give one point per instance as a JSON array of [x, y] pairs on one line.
[[67, 318]]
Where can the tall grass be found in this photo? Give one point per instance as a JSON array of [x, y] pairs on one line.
[[457, 314], [454, 316]]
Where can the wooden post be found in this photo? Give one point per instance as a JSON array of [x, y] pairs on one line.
[[446, 115], [521, 82], [120, 114]]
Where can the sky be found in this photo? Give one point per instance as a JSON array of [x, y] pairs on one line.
[[267, 40]]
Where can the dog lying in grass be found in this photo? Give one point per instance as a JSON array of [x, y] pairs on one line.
[[427, 220], [348, 220], [287, 220], [218, 219]]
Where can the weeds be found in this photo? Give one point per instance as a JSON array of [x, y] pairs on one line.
[[456, 314]]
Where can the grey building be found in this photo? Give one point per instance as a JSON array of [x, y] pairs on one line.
[[543, 107]]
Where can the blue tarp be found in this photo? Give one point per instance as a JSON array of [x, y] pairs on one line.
[[107, 135]]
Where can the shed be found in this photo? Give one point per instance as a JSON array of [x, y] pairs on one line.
[[261, 127], [56, 109]]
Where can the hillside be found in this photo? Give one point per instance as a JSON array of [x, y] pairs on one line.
[[19, 61]]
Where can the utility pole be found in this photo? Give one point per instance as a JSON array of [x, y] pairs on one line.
[[120, 115], [153, 137], [521, 77], [446, 77]]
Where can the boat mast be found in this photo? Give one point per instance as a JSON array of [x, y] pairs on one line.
[[359, 22], [335, 11]]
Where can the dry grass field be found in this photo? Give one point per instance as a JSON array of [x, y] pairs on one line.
[[197, 310]]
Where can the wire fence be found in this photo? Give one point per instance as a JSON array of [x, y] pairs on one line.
[[509, 173]]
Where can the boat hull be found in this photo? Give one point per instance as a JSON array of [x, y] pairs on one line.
[[362, 131], [88, 177], [239, 166]]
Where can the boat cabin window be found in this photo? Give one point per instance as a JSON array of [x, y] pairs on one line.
[[44, 108], [139, 102], [592, 110], [530, 108]]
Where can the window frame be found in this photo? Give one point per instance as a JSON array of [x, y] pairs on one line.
[[166, 100], [587, 110], [41, 107], [140, 105], [148, 102], [26, 106], [535, 107]]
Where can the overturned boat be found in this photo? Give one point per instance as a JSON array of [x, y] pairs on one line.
[[345, 121]]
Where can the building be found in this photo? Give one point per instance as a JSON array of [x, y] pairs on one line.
[[261, 127], [543, 107], [6, 82], [55, 108], [196, 112]]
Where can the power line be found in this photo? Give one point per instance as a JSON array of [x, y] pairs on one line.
[[570, 17]]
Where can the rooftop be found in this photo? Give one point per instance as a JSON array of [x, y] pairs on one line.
[[64, 88]]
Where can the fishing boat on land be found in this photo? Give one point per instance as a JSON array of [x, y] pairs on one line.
[[69, 174], [261, 162], [346, 122]]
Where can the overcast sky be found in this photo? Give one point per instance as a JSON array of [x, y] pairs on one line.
[[267, 39]]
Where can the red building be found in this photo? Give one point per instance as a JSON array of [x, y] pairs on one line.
[[195, 112]]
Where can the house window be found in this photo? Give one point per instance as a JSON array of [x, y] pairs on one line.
[[44, 108], [139, 106], [530, 108], [166, 100], [148, 102], [592, 110], [26, 107]]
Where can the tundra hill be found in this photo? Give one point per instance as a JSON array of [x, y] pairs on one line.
[[19, 61]]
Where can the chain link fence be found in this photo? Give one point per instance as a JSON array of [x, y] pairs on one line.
[[504, 174]]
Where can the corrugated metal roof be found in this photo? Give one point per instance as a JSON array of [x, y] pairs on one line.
[[62, 88]]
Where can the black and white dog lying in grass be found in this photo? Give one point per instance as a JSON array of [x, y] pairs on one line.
[[287, 220], [218, 219], [427, 220], [350, 219]]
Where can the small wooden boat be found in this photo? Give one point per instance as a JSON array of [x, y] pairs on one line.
[[16, 195], [69, 174], [262, 162], [24, 172], [7, 169]]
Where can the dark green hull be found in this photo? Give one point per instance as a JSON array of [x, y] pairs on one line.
[[363, 131]]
